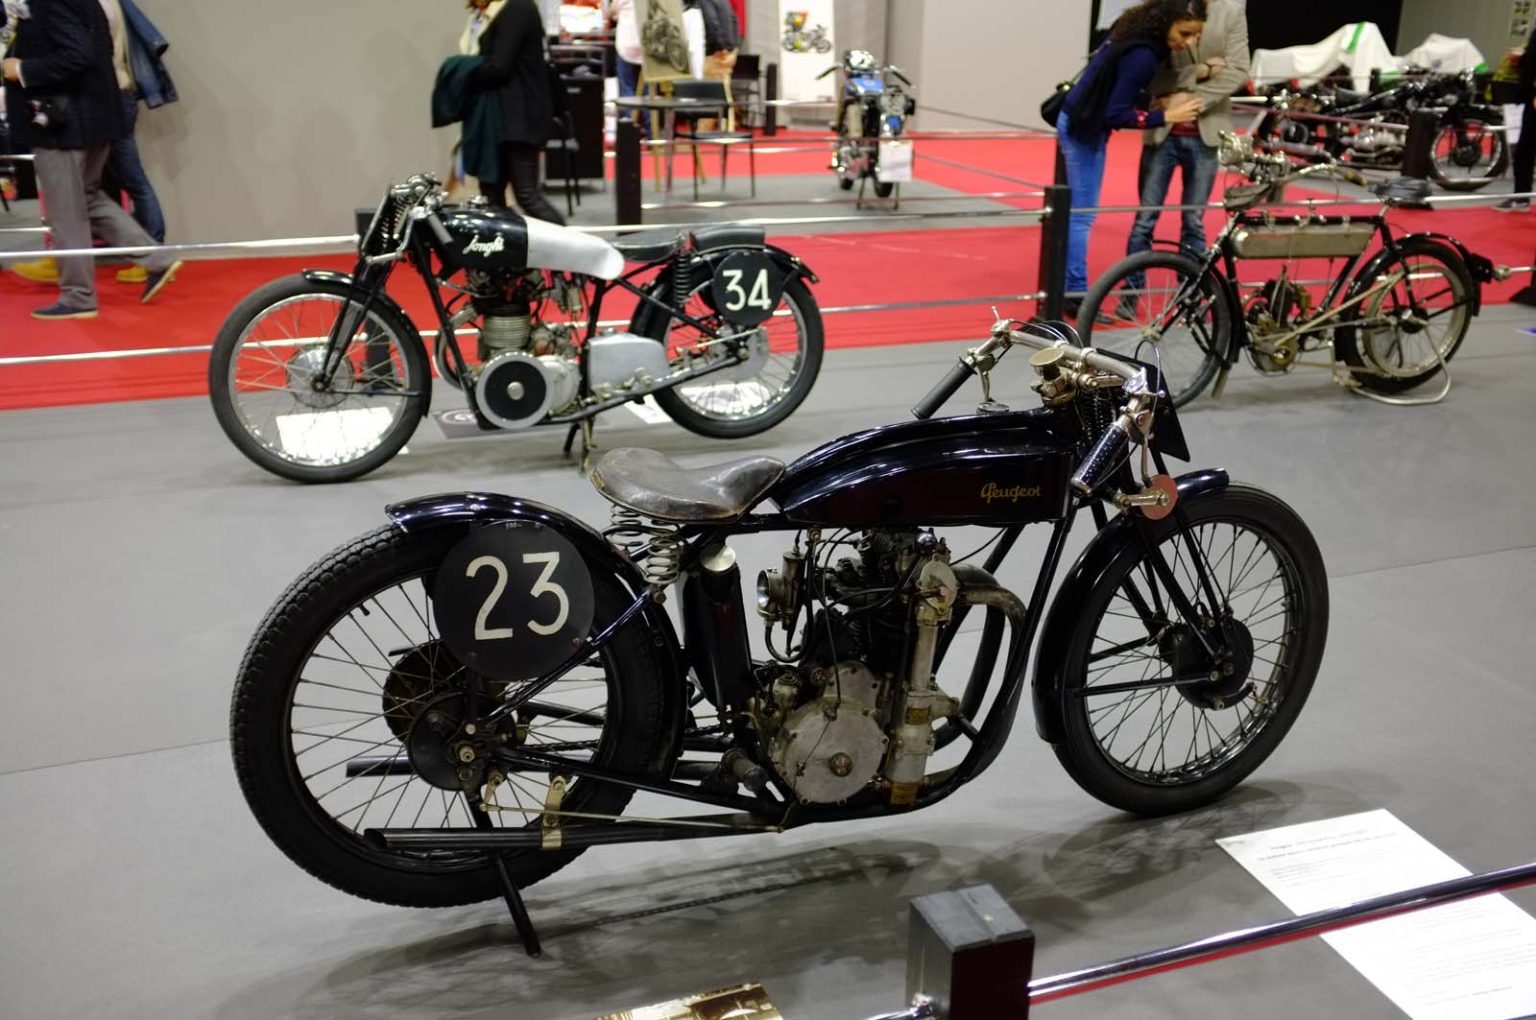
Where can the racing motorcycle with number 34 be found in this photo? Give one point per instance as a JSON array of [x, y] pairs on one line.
[[458, 703], [322, 377]]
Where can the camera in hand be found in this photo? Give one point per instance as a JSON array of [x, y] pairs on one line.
[[49, 112]]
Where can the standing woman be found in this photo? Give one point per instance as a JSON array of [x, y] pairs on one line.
[[514, 65], [1108, 96]]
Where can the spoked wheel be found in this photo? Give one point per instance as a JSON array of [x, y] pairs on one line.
[[773, 368], [1165, 313], [346, 699], [1469, 153], [1417, 316], [263, 381], [1157, 722]]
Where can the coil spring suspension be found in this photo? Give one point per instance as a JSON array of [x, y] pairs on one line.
[[652, 545], [682, 285]]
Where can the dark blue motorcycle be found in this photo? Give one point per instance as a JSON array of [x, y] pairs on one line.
[[872, 107]]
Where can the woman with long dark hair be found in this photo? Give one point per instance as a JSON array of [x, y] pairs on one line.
[[1109, 96]]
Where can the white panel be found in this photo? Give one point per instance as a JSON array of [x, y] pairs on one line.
[[814, 49]]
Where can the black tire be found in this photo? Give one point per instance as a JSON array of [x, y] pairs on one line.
[[636, 735], [803, 366], [402, 385], [1192, 344], [884, 189], [1379, 357], [1095, 759], [1454, 134]]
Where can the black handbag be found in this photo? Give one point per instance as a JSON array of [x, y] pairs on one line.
[[1050, 110]]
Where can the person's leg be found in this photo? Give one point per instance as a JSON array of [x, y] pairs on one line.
[[1085, 176], [1525, 150], [523, 162], [1200, 168], [494, 192], [110, 222], [124, 166], [60, 178], [1154, 191], [629, 76]]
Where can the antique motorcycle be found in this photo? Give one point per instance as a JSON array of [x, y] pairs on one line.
[[1391, 321], [1368, 130], [458, 703], [872, 108], [322, 377]]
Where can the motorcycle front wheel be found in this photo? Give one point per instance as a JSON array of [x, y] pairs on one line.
[[1158, 748], [1470, 153], [1416, 318], [783, 358], [262, 382], [1159, 309], [344, 674]]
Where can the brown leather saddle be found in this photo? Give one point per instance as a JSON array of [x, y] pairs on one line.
[[662, 489]]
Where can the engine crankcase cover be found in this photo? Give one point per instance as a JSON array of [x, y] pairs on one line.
[[831, 747], [619, 360], [516, 390]]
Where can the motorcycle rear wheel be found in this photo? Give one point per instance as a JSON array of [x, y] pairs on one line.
[[776, 377], [339, 670], [1419, 321], [1468, 137], [1172, 748], [259, 380]]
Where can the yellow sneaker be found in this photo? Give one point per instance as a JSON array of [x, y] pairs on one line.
[[44, 270], [133, 274]]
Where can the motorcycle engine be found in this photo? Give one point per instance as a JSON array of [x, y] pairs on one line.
[[527, 368], [1269, 315], [828, 724]]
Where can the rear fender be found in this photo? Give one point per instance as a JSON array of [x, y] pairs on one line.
[[704, 262], [1056, 634], [1479, 269], [470, 509]]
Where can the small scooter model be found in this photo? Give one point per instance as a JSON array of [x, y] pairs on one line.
[[872, 108]]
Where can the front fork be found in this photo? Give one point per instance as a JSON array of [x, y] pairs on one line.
[[369, 280]]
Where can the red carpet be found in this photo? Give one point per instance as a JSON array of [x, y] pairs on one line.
[[989, 258]]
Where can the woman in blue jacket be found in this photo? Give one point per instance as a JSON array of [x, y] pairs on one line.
[[1109, 95]]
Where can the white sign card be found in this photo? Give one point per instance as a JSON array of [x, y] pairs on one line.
[[895, 160], [1473, 960]]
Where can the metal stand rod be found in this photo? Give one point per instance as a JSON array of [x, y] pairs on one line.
[[626, 173], [520, 918]]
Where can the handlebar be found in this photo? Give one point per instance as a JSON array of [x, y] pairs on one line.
[[830, 70], [1113, 446]]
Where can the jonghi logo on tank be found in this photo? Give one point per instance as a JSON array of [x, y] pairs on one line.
[[491, 247], [1013, 494]]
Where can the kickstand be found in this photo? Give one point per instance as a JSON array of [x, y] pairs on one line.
[[570, 438], [520, 918], [509, 892]]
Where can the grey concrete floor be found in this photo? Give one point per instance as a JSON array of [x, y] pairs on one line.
[[140, 551]]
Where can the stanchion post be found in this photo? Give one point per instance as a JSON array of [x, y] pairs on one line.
[[1055, 229], [970, 955], [626, 173], [770, 95], [1419, 146]]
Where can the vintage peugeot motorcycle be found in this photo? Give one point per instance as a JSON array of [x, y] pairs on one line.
[[322, 377], [872, 107], [458, 703]]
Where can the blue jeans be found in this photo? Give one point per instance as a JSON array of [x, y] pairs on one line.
[[127, 172], [1085, 176], [1197, 164]]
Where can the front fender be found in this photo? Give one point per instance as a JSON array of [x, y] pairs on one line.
[[467, 509], [1056, 634]]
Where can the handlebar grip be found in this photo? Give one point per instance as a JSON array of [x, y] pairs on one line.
[[440, 232], [825, 73], [957, 377], [1308, 152], [1112, 448], [904, 79]]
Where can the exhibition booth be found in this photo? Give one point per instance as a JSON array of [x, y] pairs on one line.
[[1036, 473]]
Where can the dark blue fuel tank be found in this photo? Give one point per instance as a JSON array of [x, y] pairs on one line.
[[486, 238], [980, 469]]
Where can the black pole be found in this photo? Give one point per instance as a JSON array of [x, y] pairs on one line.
[[626, 173], [1053, 250], [770, 94], [1419, 146]]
